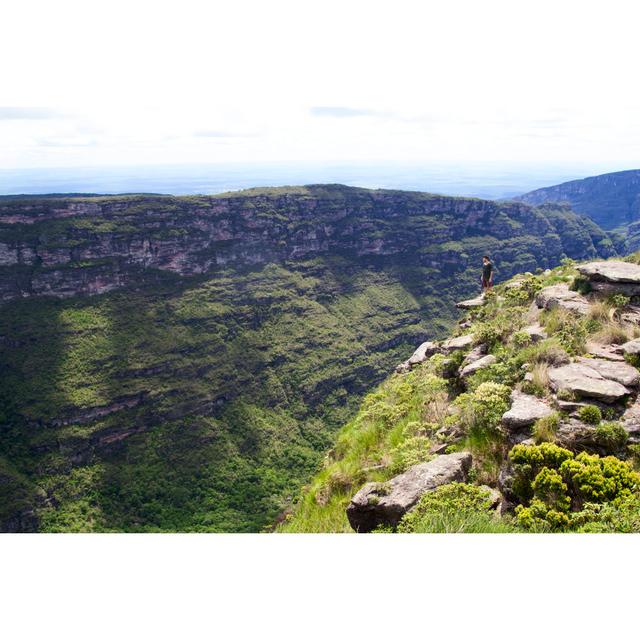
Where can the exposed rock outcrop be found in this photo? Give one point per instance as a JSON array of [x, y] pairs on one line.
[[611, 271], [605, 351], [536, 332], [476, 365], [613, 276], [454, 344], [559, 295], [385, 503], [422, 353], [620, 372], [472, 303], [586, 381], [525, 410], [632, 347]]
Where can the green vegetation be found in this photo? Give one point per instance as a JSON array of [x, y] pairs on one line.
[[204, 402], [557, 486], [278, 360], [553, 489], [544, 430], [400, 417], [455, 508]]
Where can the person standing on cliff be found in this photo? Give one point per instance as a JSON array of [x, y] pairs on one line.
[[487, 274]]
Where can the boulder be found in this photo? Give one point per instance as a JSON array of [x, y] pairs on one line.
[[631, 348], [470, 304], [525, 410], [475, 354], [384, 503], [620, 372], [461, 342], [536, 332], [605, 351], [559, 295], [611, 271], [424, 351], [585, 381], [481, 363]]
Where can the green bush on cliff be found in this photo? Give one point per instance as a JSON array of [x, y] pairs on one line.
[[482, 408], [555, 486], [454, 508], [568, 329], [590, 414], [611, 435]]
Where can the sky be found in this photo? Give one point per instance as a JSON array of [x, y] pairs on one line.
[[499, 84]]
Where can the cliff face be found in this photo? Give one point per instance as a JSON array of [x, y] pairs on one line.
[[66, 247], [183, 363], [611, 200]]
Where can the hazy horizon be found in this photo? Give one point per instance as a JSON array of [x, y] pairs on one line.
[[484, 181]]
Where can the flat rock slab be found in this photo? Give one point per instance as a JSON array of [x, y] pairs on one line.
[[461, 342], [525, 410], [586, 381], [632, 347], [606, 351], [481, 363], [621, 372], [536, 332], [384, 503], [559, 295], [470, 304], [611, 271]]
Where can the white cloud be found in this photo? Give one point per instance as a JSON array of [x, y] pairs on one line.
[[426, 82]]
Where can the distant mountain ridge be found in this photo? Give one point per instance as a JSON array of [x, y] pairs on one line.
[[612, 200]]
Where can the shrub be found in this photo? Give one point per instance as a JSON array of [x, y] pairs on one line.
[[544, 430], [611, 333], [539, 383], [483, 408], [594, 479], [553, 482], [538, 516], [599, 311], [488, 333], [528, 461], [611, 435], [521, 339], [590, 414], [568, 329], [548, 351], [621, 515], [517, 296], [581, 285], [455, 507], [504, 373], [412, 451], [619, 300]]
